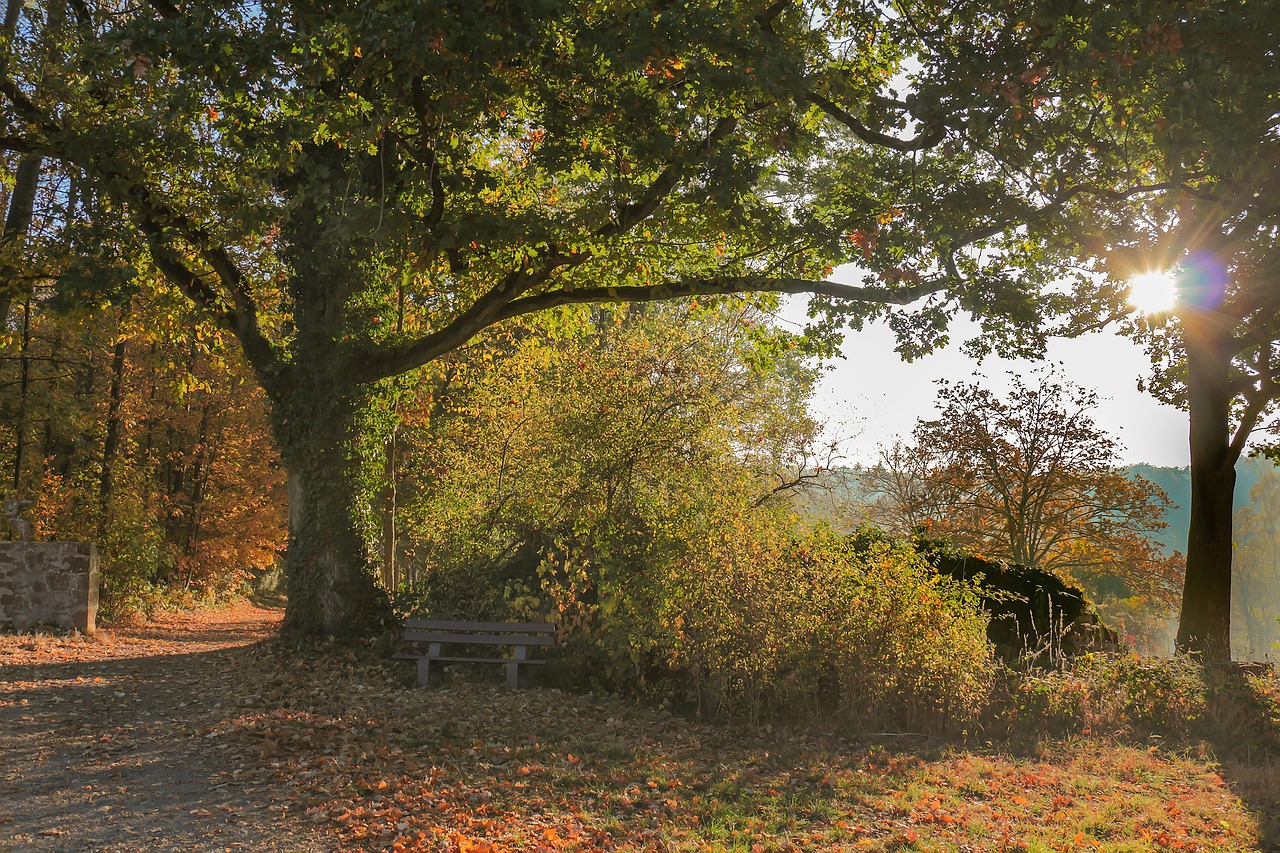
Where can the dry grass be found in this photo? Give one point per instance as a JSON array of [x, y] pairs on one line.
[[474, 768], [376, 764]]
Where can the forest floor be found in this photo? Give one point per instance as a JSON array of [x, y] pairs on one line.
[[108, 743], [198, 732]]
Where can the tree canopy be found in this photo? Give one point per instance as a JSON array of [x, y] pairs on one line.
[[355, 190], [1166, 113]]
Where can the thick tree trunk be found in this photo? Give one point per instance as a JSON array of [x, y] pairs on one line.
[[1205, 624], [329, 577]]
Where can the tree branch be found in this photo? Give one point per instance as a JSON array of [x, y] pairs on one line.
[[488, 310], [668, 179], [1255, 405], [165, 9], [156, 219], [772, 11], [495, 305], [20, 145], [932, 134]]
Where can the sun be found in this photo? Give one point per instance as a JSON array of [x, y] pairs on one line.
[[1153, 292]]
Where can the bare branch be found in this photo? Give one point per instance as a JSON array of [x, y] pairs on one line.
[[792, 486], [928, 138]]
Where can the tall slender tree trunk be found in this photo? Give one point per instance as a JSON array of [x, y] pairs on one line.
[[111, 444], [203, 455], [17, 222], [24, 382], [390, 485], [1205, 625], [390, 577]]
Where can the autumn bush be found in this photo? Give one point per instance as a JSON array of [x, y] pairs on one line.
[[631, 482], [757, 618], [1116, 695], [774, 622]]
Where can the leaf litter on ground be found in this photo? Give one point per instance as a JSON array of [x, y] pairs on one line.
[[379, 764]]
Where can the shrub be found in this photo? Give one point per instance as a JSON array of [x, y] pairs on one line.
[[767, 622], [1127, 695]]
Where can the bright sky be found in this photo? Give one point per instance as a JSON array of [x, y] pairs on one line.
[[870, 396]]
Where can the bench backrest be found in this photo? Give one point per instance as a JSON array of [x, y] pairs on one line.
[[481, 633]]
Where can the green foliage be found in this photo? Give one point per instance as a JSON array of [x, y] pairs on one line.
[[356, 191], [1125, 695], [596, 443], [767, 621], [1149, 131], [631, 482]]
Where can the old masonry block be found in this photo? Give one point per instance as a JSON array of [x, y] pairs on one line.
[[49, 583]]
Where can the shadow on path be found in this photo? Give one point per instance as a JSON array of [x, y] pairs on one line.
[[117, 752]]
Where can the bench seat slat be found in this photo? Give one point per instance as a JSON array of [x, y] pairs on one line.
[[482, 627], [448, 659], [478, 639]]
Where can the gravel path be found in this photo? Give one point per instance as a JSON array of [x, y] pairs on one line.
[[107, 744]]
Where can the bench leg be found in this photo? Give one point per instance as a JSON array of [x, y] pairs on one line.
[[424, 672], [424, 665], [515, 678]]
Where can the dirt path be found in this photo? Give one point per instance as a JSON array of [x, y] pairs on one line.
[[106, 744]]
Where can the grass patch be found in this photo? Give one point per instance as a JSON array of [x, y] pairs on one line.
[[474, 768], [343, 738]]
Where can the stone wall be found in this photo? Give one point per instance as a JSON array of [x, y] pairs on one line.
[[49, 583]]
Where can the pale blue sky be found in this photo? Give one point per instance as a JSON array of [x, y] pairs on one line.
[[870, 396]]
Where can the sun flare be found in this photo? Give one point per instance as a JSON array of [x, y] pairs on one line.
[[1153, 292]]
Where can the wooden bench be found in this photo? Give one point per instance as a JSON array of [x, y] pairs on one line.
[[439, 634]]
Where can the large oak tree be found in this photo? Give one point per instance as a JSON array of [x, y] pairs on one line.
[[1136, 137], [355, 189], [1201, 89]]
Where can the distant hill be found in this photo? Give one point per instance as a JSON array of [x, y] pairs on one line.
[[1177, 485], [843, 488]]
